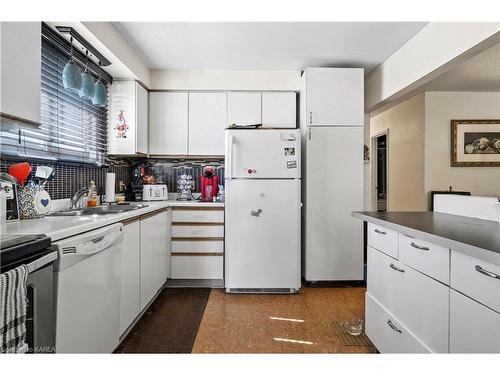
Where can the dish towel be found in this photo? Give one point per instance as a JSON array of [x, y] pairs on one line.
[[13, 306]]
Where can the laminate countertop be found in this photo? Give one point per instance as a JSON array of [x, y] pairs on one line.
[[59, 227], [474, 237]]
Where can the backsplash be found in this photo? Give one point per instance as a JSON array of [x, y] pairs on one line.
[[166, 171], [70, 178]]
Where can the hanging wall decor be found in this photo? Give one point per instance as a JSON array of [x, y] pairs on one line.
[[475, 143]]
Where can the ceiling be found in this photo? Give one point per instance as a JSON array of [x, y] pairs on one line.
[[266, 45], [479, 73]]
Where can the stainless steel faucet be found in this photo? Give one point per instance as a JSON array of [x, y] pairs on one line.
[[76, 198]]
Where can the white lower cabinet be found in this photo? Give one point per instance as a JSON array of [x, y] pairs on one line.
[[416, 300], [155, 255], [423, 297], [130, 305], [145, 263], [197, 267], [387, 333], [474, 328], [197, 243]]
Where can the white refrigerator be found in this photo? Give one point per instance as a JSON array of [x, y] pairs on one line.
[[262, 210]]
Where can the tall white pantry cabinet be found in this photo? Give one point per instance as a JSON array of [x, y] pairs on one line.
[[331, 120]]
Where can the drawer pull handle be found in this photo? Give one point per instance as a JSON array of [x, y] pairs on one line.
[[396, 268], [413, 244], [487, 273], [379, 231], [391, 324]]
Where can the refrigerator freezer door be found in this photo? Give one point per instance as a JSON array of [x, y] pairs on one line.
[[334, 178], [262, 153], [262, 237]]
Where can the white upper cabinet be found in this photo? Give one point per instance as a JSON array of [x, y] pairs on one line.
[[128, 119], [279, 110], [334, 97], [207, 121], [20, 66], [168, 123], [244, 108]]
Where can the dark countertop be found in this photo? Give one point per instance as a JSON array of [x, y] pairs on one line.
[[474, 237]]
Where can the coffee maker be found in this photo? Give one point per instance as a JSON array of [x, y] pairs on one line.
[[209, 184], [135, 186]]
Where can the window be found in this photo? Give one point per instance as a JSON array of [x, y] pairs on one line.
[[72, 129]]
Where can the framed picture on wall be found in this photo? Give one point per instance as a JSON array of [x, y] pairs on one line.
[[475, 143]]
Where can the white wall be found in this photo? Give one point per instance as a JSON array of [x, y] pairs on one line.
[[440, 108], [405, 123], [224, 80], [112, 44], [436, 48], [367, 172]]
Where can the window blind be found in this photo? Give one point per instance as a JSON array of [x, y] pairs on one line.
[[72, 129]]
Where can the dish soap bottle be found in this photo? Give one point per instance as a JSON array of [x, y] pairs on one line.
[[92, 195]]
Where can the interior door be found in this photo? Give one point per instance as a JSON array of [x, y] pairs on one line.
[[207, 121], [263, 153], [262, 238]]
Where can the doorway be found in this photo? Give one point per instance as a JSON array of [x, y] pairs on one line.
[[380, 147]]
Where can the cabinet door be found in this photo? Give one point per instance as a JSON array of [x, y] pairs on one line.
[[398, 288], [279, 110], [207, 121], [334, 96], [122, 122], [142, 109], [474, 328], [130, 305], [244, 108], [20, 66], [154, 255], [168, 123], [422, 305]]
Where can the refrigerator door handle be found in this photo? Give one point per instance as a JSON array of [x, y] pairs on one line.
[[230, 155]]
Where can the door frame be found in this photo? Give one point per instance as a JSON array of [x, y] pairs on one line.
[[373, 193]]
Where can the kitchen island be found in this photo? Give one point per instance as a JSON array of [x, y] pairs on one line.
[[433, 283]]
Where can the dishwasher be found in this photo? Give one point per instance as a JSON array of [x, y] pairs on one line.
[[88, 284]]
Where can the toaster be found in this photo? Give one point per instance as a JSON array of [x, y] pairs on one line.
[[154, 193]]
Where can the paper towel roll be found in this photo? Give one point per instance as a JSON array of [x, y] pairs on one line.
[[110, 187]]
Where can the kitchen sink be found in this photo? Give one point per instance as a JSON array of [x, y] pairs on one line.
[[99, 210]]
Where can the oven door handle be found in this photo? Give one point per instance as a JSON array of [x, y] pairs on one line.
[[41, 262]]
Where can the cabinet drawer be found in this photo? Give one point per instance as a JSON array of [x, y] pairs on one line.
[[387, 333], [425, 257], [198, 246], [473, 327], [197, 216], [197, 231], [197, 267], [383, 239], [477, 279]]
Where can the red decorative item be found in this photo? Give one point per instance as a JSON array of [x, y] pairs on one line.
[[209, 184]]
